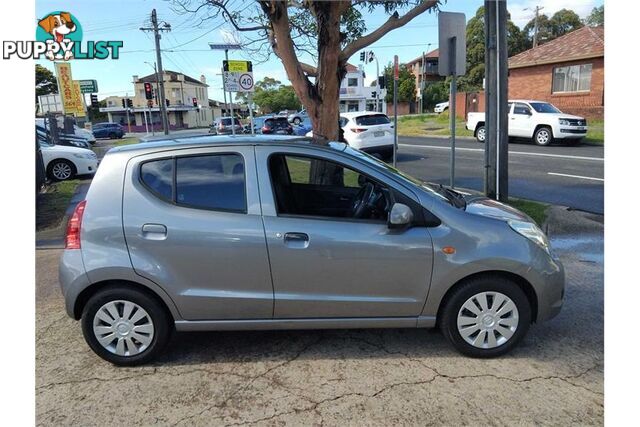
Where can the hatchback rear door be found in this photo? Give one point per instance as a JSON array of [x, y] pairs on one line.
[[192, 224]]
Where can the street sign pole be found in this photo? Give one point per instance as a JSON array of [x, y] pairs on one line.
[[395, 108], [126, 97], [253, 132], [233, 119], [452, 111]]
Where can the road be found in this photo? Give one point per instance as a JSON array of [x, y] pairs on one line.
[[568, 176]]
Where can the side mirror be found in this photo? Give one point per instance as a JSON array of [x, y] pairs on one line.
[[401, 216]]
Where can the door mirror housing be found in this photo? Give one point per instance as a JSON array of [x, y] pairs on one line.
[[400, 216]]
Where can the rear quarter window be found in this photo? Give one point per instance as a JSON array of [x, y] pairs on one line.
[[158, 177]]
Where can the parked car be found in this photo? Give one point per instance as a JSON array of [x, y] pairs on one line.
[[108, 130], [78, 131], [297, 118], [368, 131], [303, 128], [223, 126], [252, 233], [65, 162], [63, 138], [277, 125], [441, 107], [539, 121]]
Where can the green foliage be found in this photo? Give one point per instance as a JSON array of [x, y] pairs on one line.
[[271, 95], [435, 93], [516, 41], [596, 18], [46, 82], [406, 83], [564, 21], [545, 32]]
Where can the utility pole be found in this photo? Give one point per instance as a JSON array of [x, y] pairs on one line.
[[496, 142], [156, 32], [535, 24]]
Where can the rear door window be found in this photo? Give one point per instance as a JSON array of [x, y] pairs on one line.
[[214, 182], [372, 120]]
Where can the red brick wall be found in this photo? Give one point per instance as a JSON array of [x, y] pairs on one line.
[[404, 108], [536, 83]]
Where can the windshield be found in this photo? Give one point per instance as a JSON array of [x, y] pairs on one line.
[[544, 107], [441, 193]]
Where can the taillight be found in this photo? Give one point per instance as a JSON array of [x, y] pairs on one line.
[[266, 129], [72, 239], [358, 130]]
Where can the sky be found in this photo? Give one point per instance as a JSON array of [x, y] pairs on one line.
[[187, 49]]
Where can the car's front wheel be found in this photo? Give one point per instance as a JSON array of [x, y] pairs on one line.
[[486, 316], [125, 326], [543, 136], [61, 170], [481, 133], [297, 121]]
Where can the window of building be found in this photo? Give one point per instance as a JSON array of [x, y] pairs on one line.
[[353, 106], [573, 78], [352, 82]]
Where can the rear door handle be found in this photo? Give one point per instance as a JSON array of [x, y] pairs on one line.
[[154, 231], [296, 240]]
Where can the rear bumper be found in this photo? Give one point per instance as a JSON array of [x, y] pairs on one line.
[[72, 278], [378, 149]]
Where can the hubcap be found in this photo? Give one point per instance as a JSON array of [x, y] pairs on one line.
[[481, 134], [61, 171], [543, 137], [488, 320], [123, 328]]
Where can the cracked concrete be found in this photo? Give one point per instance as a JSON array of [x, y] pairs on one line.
[[352, 377]]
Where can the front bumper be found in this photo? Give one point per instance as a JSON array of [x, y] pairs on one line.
[[86, 166], [549, 284], [571, 132]]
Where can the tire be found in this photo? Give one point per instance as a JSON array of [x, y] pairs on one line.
[[543, 136], [515, 322], [481, 134], [137, 347], [61, 170], [297, 121]]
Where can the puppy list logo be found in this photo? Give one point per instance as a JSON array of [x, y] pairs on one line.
[[59, 37]]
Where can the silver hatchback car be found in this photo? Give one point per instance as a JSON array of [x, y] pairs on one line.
[[274, 232]]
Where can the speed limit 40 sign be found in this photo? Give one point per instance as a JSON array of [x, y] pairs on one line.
[[238, 76]]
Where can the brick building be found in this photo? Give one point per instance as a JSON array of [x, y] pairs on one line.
[[567, 72], [425, 69]]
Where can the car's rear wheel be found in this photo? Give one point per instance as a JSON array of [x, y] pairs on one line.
[[61, 170], [125, 326], [481, 133], [112, 135], [486, 316], [543, 136]]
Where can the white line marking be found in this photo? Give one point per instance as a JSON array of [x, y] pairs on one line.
[[521, 153], [575, 176]]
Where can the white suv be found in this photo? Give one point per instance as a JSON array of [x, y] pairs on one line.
[[368, 131]]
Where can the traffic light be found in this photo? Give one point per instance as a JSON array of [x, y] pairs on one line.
[[382, 82], [363, 54], [94, 100], [148, 91], [167, 101], [371, 56], [124, 103], [129, 102], [195, 102]]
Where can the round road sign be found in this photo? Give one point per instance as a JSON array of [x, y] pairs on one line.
[[246, 81]]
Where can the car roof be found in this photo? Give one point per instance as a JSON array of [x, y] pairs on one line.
[[204, 140], [352, 114]]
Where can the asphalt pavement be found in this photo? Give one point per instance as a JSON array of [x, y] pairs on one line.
[[570, 176]]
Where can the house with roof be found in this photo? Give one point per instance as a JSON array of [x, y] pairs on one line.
[[356, 96], [567, 71], [425, 69], [187, 101]]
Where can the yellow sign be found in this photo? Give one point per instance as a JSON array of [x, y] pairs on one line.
[[238, 66], [69, 90]]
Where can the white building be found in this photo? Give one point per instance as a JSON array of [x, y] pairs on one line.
[[355, 95]]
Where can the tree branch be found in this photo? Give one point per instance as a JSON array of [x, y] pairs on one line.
[[392, 23], [225, 12]]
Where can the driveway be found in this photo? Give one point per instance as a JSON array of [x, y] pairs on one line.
[[350, 377]]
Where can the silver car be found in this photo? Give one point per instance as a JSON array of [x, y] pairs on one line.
[[274, 232]]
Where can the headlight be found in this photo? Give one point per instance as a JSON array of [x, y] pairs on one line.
[[531, 232], [564, 122], [84, 156]]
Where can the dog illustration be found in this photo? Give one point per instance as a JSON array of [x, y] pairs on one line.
[[58, 26]]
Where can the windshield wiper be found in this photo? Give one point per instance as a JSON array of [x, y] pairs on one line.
[[456, 198]]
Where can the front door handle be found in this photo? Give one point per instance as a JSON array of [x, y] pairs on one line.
[[154, 231], [296, 240]]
